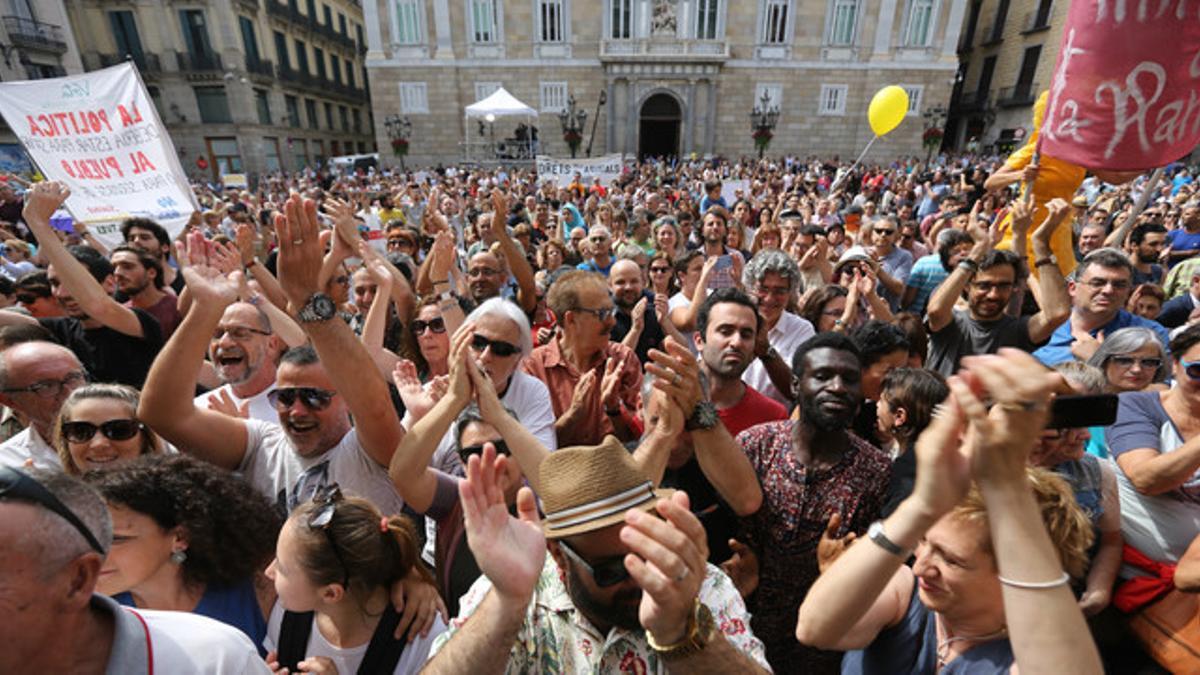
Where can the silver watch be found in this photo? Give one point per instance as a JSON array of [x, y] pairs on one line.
[[876, 534]]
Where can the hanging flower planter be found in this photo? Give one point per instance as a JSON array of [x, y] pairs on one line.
[[762, 138], [400, 146]]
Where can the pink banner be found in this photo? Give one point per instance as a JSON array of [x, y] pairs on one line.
[[1125, 94]]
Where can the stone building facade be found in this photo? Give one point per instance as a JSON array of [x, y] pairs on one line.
[[678, 76], [1007, 54], [243, 86]]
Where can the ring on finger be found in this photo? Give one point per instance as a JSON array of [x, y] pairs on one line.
[[675, 380], [684, 574], [297, 242]]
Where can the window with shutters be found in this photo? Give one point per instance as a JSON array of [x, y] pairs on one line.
[[414, 98], [406, 22], [553, 96], [551, 21], [833, 99], [775, 22]]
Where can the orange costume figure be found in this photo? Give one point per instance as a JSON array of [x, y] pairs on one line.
[[1055, 179]]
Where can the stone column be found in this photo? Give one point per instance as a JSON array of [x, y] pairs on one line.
[[374, 34], [883, 28], [631, 117], [610, 117], [710, 130], [441, 24], [689, 117]]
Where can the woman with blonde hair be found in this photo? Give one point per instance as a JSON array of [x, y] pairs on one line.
[[98, 426]]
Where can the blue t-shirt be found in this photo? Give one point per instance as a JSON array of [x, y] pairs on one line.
[[1058, 349], [707, 202], [927, 274], [1182, 240], [911, 647], [235, 606], [590, 266]]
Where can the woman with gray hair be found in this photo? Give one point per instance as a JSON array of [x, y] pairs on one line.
[[500, 340], [1131, 359], [773, 278]]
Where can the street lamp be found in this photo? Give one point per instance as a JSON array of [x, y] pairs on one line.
[[399, 130], [573, 123], [935, 121], [763, 119], [595, 121]]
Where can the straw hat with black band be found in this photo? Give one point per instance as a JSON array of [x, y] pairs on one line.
[[585, 489]]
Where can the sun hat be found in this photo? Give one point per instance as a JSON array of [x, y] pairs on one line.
[[589, 488], [852, 254]]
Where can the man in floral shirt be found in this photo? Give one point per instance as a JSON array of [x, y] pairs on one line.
[[809, 469], [623, 591]]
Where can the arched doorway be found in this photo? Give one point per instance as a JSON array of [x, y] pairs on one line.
[[658, 127]]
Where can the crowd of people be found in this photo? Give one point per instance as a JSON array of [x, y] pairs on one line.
[[776, 415]]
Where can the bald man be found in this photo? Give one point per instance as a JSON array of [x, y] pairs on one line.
[[637, 327], [35, 379]]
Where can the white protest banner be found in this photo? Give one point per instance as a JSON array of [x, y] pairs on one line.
[[562, 171], [100, 135], [730, 188], [234, 180]]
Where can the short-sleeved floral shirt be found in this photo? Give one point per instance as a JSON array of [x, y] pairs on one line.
[[797, 503], [557, 638]]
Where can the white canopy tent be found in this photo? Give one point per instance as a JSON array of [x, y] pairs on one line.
[[500, 104]]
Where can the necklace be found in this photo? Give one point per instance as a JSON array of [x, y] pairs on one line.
[[943, 647]]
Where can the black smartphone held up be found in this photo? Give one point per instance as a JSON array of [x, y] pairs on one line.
[[1076, 412]]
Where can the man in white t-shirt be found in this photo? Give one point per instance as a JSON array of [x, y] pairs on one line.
[[244, 350], [772, 277], [317, 390], [35, 379], [57, 532]]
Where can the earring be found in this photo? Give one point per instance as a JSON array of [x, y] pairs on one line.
[[179, 556]]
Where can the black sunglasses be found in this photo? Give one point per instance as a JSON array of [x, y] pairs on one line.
[[311, 397], [499, 347], [327, 498], [30, 299], [18, 485], [437, 325], [607, 572], [501, 449], [113, 430]]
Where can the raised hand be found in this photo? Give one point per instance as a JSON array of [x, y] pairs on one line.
[[742, 568], [199, 263], [509, 551], [943, 465], [417, 400], [300, 254], [668, 559], [1000, 439], [831, 547], [639, 316], [1058, 210], [677, 374], [344, 224], [610, 385], [245, 242], [1085, 344], [661, 307], [43, 199], [223, 403], [581, 398]]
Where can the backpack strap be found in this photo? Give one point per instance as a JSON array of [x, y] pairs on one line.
[[294, 632], [384, 651]]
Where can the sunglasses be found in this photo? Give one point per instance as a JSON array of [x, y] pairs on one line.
[[607, 572], [394, 243], [437, 325], [1192, 368], [311, 397], [659, 270], [1128, 361], [327, 498], [501, 449], [18, 485], [601, 314], [498, 347], [30, 299], [884, 231], [113, 430]]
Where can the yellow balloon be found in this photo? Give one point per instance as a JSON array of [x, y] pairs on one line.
[[887, 110]]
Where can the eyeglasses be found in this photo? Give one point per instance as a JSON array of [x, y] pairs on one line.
[[437, 325], [772, 291], [327, 498], [113, 430], [601, 314], [1151, 363], [499, 347], [239, 333], [659, 270], [607, 572], [1099, 284], [989, 286], [1192, 368], [341, 280], [51, 388], [482, 272], [501, 449], [884, 231], [17, 485], [311, 397]]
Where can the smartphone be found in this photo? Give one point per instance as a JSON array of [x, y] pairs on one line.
[[1076, 412], [722, 273]]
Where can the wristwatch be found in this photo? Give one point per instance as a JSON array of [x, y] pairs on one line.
[[320, 307], [969, 265], [704, 416], [876, 534], [1048, 260], [701, 630]]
